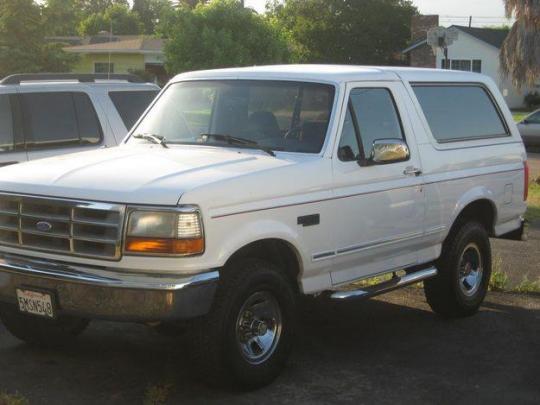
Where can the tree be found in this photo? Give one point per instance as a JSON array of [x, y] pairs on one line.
[[344, 31], [124, 22], [520, 52], [150, 11], [22, 46], [219, 34], [61, 17], [89, 7]]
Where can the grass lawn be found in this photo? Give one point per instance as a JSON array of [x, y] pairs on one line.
[[533, 211], [519, 115]]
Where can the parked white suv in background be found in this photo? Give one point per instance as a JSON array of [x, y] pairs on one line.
[[42, 115], [242, 189]]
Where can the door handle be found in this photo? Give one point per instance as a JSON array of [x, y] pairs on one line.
[[412, 171]]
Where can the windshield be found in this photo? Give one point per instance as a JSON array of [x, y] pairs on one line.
[[278, 115]]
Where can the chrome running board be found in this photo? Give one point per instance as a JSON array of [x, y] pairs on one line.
[[386, 286]]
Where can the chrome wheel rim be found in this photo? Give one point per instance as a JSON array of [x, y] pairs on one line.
[[470, 270], [258, 327]]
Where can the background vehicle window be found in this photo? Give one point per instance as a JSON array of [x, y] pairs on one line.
[[53, 119], [376, 116], [89, 127], [6, 124], [534, 118], [131, 104], [456, 113]]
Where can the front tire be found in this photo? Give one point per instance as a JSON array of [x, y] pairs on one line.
[[464, 272], [246, 339], [41, 332]]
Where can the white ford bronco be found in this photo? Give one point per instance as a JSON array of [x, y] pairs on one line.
[[241, 190]]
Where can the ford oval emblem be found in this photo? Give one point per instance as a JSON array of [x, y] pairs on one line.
[[43, 226]]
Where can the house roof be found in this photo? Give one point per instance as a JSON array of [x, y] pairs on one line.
[[491, 36], [132, 45]]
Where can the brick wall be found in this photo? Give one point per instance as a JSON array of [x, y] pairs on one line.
[[422, 56]]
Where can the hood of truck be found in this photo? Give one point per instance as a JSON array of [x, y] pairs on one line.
[[140, 174]]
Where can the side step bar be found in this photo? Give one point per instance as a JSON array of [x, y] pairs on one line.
[[386, 286]]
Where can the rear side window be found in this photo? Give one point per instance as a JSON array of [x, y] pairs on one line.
[[6, 124], [131, 104], [59, 119], [460, 112]]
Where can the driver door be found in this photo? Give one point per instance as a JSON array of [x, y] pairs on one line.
[[379, 207]]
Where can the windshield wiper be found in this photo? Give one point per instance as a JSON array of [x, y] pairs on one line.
[[235, 140], [158, 139]]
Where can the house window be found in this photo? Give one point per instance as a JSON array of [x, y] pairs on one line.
[[101, 67], [466, 65], [461, 64]]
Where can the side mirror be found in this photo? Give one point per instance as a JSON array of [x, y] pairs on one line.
[[389, 151], [524, 122]]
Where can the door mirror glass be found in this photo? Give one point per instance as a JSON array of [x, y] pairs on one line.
[[389, 151]]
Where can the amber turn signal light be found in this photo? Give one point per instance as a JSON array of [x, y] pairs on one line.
[[165, 246]]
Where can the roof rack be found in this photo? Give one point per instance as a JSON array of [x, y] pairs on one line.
[[82, 78]]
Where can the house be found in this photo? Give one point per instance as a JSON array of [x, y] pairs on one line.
[[475, 50], [118, 54]]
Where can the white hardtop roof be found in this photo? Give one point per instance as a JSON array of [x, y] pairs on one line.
[[333, 74]]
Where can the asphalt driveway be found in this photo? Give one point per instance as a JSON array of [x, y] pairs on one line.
[[388, 350]]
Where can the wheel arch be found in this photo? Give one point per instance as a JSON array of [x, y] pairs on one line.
[[481, 208], [277, 251]]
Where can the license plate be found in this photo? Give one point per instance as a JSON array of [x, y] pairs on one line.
[[35, 303]]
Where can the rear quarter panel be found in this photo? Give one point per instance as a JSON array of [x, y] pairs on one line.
[[458, 173]]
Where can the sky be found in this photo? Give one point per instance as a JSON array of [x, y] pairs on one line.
[[484, 12]]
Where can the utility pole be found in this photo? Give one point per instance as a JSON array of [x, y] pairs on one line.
[[470, 21]]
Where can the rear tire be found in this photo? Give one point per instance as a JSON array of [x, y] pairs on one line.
[[464, 272], [246, 339], [41, 332]]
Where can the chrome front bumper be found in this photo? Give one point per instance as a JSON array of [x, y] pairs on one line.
[[103, 293]]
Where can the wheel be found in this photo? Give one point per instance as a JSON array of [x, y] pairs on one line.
[[41, 332], [464, 272], [245, 340]]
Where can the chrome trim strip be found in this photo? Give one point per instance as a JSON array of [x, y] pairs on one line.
[[102, 277], [323, 255], [381, 242], [386, 286]]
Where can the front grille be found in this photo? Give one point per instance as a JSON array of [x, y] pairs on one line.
[[62, 226]]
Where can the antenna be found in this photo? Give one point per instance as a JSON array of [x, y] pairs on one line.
[[110, 40], [442, 38]]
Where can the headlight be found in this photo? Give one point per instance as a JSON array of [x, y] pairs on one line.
[[164, 232]]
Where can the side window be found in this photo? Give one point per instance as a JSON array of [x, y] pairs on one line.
[[131, 104], [6, 124], [59, 119], [374, 113], [348, 144], [460, 112]]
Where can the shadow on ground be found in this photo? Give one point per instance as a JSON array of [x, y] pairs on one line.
[[388, 350]]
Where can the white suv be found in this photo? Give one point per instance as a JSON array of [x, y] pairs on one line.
[[42, 115], [241, 190]]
